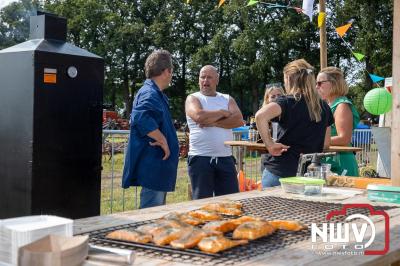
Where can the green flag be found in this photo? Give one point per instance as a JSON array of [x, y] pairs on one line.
[[358, 56], [252, 2]]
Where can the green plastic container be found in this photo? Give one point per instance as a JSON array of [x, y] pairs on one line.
[[302, 185], [384, 193]]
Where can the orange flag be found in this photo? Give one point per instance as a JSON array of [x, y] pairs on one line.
[[221, 2], [343, 29]]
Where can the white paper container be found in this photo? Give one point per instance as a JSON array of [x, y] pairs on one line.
[[17, 232]]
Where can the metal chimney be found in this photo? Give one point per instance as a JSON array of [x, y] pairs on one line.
[[48, 26]]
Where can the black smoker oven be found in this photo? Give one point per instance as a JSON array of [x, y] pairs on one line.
[[50, 124]]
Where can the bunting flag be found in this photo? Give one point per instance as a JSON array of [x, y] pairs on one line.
[[252, 2], [375, 78], [358, 56], [321, 19], [343, 29], [308, 8], [221, 2], [270, 5]]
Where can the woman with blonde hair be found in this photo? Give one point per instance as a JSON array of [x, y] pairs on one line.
[[272, 91], [332, 87], [303, 123]]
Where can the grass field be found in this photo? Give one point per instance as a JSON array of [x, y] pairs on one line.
[[115, 199], [112, 194]]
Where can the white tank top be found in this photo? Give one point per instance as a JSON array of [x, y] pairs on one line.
[[209, 141]]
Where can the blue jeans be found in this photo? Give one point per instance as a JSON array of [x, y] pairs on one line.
[[151, 198], [269, 179]]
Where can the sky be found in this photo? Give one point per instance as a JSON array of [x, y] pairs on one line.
[[3, 3]]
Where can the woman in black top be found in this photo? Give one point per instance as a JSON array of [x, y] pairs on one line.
[[303, 123]]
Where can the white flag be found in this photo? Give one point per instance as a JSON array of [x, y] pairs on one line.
[[308, 8]]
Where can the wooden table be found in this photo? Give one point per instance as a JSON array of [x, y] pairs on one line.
[[260, 147], [253, 146], [296, 254]]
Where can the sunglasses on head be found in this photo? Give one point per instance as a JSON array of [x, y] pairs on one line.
[[319, 83]]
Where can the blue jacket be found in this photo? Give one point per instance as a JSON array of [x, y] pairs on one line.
[[143, 163]]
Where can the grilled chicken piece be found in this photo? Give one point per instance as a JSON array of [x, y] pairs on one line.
[[130, 236], [222, 226], [189, 239], [166, 235], [214, 244], [183, 217], [227, 208], [205, 215], [288, 225], [253, 230], [244, 219]]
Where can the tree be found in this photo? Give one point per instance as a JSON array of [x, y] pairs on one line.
[[14, 22]]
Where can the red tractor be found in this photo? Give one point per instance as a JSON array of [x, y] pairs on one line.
[[112, 121]]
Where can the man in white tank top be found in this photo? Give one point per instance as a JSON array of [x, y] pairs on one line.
[[210, 117]]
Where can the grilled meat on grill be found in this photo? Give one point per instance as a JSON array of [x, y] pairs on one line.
[[222, 226], [214, 244], [189, 239], [253, 230], [205, 215], [288, 225], [244, 219], [227, 208], [231, 204], [130, 236], [183, 217], [149, 228], [164, 236], [173, 223]]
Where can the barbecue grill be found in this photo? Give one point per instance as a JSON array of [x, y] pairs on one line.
[[267, 207]]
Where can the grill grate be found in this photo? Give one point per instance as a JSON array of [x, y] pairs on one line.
[[267, 207]]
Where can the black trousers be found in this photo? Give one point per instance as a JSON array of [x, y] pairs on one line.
[[212, 176]]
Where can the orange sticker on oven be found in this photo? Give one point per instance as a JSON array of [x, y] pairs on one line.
[[50, 78]]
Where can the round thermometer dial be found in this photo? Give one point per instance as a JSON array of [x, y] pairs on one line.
[[72, 72]]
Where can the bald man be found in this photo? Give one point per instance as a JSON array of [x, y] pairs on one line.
[[211, 116]]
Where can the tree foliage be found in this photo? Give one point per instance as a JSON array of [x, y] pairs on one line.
[[249, 45]]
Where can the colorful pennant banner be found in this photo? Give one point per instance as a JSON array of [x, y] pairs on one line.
[[343, 29], [375, 78], [358, 56], [308, 8]]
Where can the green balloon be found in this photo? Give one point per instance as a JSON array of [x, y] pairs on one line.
[[378, 101]]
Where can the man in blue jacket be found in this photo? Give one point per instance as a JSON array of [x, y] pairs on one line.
[[151, 159]]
